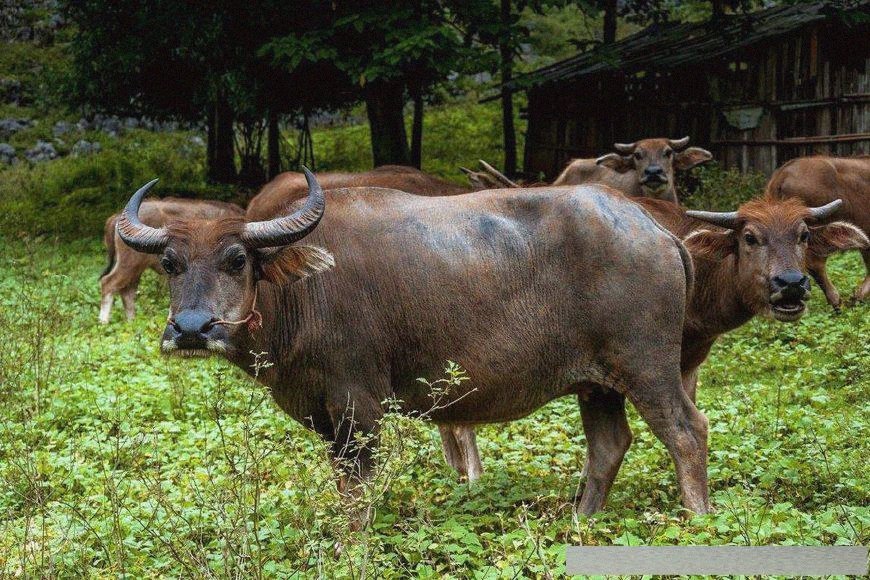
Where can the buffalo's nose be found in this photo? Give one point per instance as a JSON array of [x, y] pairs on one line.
[[791, 283], [192, 326], [654, 169]]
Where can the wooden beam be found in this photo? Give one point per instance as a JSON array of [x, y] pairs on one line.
[[818, 139]]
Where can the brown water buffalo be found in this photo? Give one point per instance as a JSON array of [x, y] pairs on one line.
[[820, 180], [646, 168], [272, 199], [537, 293], [125, 265], [749, 262]]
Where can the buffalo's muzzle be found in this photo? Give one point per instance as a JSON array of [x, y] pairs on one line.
[[192, 331], [789, 290], [654, 175]]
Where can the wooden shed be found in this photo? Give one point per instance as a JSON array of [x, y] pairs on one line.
[[756, 89]]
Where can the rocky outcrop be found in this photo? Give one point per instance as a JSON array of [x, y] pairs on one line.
[[7, 154], [42, 151]]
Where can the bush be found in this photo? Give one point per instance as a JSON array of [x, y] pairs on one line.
[[718, 189], [72, 196]]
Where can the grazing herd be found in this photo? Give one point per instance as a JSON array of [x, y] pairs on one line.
[[600, 285]]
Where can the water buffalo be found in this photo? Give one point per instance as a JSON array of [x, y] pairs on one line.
[[645, 168], [272, 199], [125, 265], [819, 180], [747, 263], [538, 294]]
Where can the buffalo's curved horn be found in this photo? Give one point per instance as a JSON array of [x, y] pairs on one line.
[[466, 170], [625, 148], [725, 219], [498, 175], [135, 234], [827, 210], [286, 230], [678, 144]]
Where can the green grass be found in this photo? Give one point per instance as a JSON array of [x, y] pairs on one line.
[[117, 461]]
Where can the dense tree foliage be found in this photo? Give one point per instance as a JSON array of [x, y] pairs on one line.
[[241, 68]]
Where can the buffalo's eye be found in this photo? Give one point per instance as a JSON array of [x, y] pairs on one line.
[[638, 155], [805, 236], [238, 262], [668, 152], [168, 266], [750, 239]]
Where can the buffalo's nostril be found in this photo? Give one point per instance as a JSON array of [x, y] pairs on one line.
[[790, 278], [192, 324]]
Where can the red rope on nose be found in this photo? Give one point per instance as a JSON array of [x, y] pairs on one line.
[[254, 320]]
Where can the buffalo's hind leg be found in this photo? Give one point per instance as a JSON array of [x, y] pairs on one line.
[[608, 437], [678, 424], [817, 267], [864, 290], [128, 297]]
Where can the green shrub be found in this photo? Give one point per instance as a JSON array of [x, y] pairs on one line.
[[719, 189], [72, 196]]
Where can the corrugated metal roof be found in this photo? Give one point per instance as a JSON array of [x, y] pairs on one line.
[[664, 46]]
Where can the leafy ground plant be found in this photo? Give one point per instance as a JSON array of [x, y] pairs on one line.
[[117, 461]]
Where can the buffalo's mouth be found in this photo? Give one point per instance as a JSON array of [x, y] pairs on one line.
[[654, 181], [189, 349], [788, 309]]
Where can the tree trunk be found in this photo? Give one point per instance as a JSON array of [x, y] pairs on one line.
[[417, 128], [507, 98], [222, 164], [718, 9], [610, 21], [274, 146], [385, 101]]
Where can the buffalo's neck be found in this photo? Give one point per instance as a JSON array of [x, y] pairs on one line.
[[265, 352], [716, 306]]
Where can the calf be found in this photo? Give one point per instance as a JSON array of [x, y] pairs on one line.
[[748, 262], [538, 293], [125, 265], [645, 168], [819, 180]]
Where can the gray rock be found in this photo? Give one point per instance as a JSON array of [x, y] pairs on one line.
[[10, 126], [7, 154], [83, 147], [131, 123], [109, 125], [197, 140], [42, 151], [62, 128]]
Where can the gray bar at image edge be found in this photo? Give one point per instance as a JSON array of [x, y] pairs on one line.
[[784, 560]]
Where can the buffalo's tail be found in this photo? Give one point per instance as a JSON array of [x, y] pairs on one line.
[[109, 241]]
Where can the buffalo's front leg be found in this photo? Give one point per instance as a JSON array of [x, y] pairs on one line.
[[608, 437], [459, 443], [355, 427]]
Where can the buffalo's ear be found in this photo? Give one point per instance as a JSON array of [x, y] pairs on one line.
[[836, 237], [710, 245], [691, 157], [616, 162], [292, 263]]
